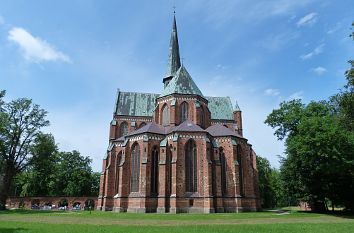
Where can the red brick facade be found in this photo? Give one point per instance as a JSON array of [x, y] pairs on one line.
[[202, 164]]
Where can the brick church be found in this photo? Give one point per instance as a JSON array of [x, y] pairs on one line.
[[178, 151]]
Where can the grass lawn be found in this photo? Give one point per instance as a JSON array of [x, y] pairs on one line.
[[27, 221]]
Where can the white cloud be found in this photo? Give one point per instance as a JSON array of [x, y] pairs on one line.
[[318, 50], [307, 20], [319, 70], [218, 13], [334, 28], [277, 41], [35, 49], [271, 92], [296, 95]]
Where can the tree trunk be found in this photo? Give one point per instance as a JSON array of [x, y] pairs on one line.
[[5, 186]]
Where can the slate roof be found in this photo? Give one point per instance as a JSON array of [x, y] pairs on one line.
[[182, 83], [135, 103], [220, 107], [187, 126], [150, 127], [219, 130]]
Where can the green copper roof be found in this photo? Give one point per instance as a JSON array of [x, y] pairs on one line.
[[135, 104], [220, 108], [174, 61], [182, 83]]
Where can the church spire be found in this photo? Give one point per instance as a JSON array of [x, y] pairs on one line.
[[174, 61]]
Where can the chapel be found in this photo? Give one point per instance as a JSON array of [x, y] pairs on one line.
[[177, 151]]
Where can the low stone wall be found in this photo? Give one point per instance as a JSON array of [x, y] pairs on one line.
[[47, 203]]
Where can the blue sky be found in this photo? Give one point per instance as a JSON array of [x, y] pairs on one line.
[[71, 56]]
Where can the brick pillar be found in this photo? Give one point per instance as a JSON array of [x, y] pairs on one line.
[[161, 200], [173, 120], [238, 119], [144, 178], [206, 179], [101, 193], [109, 183], [233, 165], [173, 197], [118, 202]]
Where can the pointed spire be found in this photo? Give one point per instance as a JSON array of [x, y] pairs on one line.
[[174, 60], [237, 108]]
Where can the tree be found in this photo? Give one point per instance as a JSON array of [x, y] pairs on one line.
[[39, 178], [270, 185], [320, 161], [74, 174], [95, 183], [21, 121]]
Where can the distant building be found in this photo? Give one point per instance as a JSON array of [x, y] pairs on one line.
[[178, 151]]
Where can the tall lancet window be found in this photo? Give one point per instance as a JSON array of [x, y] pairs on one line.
[[184, 112], [154, 171], [165, 115], [191, 166], [135, 168], [223, 171], [201, 116], [118, 160], [123, 129]]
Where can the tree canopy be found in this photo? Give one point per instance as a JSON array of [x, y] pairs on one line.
[[32, 157], [21, 121]]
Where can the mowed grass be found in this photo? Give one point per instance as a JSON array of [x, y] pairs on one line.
[[26, 221]]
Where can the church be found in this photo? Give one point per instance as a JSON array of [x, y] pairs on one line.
[[178, 151]]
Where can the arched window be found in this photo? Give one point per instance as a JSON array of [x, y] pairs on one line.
[[240, 169], [135, 168], [123, 129], [191, 166], [223, 171], [142, 125], [165, 115], [201, 116], [154, 171], [184, 112], [119, 157]]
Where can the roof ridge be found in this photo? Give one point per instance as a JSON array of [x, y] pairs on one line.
[[138, 92]]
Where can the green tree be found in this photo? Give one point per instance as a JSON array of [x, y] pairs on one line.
[[95, 183], [21, 121], [319, 150], [39, 178], [270, 185], [74, 174]]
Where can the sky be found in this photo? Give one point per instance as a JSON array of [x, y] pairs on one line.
[[71, 56]]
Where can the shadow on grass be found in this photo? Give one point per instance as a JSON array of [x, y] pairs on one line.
[[337, 213], [26, 211], [12, 230]]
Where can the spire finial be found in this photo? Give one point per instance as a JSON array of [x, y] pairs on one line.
[[174, 9]]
